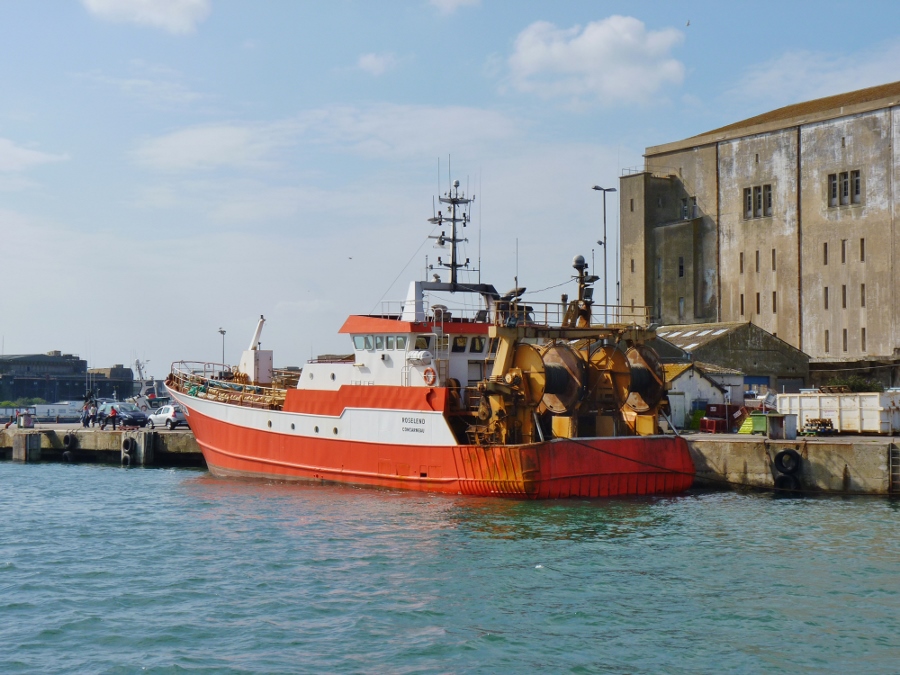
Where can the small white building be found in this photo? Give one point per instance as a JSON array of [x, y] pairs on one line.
[[698, 383]]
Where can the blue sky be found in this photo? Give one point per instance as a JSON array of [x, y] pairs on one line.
[[168, 167]]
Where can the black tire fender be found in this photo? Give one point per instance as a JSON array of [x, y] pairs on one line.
[[128, 445], [70, 441], [126, 459], [787, 482], [788, 461], [67, 456]]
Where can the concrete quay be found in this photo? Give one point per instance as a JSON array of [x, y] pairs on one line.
[[853, 465], [74, 443]]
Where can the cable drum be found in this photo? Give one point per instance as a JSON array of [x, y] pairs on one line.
[[565, 374], [648, 379]]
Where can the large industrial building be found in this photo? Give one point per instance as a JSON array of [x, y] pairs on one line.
[[58, 377], [787, 220]]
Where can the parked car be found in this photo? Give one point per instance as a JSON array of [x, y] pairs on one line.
[[128, 414], [169, 416]]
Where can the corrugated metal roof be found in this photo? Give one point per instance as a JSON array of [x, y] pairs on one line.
[[673, 370], [689, 337], [713, 369]]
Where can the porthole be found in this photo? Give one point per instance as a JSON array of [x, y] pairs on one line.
[[310, 376], [292, 425], [316, 429], [332, 376], [335, 431], [270, 424]]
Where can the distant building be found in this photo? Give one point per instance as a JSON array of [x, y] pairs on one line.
[[60, 377], [767, 363], [692, 386], [786, 220]]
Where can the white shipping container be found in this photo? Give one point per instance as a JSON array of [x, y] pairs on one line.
[[865, 413]]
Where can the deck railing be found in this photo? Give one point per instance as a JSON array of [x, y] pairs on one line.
[[527, 313]]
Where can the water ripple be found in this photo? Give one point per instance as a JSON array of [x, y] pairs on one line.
[[170, 571]]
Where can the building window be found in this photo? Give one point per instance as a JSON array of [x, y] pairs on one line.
[[774, 302], [757, 201], [825, 296], [632, 265], [844, 336], [742, 262], [680, 266], [862, 295], [844, 188], [843, 251], [773, 259], [827, 345], [632, 205], [659, 268], [684, 209], [680, 308], [825, 253], [742, 304], [844, 296], [757, 262], [862, 250], [694, 211], [862, 339], [757, 304]]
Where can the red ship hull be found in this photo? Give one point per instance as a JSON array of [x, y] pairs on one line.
[[560, 468]]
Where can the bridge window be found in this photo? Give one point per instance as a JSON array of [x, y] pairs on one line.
[[401, 342], [379, 342], [477, 345], [459, 343], [389, 342], [423, 341]]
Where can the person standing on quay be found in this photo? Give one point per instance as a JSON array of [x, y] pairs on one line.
[[110, 419], [85, 415], [93, 414]]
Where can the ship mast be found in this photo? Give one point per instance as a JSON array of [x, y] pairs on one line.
[[456, 215]]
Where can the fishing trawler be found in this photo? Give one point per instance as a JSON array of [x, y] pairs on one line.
[[460, 390]]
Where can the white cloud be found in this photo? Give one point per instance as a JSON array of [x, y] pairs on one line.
[[156, 87], [803, 75], [383, 131], [376, 64], [16, 158], [406, 131], [214, 146], [174, 16], [450, 6], [610, 61]]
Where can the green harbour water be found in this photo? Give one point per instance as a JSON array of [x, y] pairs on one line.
[[110, 570]]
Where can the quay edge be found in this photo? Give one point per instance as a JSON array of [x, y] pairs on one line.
[[143, 446], [864, 465]]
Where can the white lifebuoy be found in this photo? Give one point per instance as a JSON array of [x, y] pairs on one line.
[[429, 376]]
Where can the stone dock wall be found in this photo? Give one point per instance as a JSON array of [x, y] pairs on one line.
[[833, 465]]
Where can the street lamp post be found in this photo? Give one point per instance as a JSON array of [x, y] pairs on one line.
[[222, 333], [603, 244]]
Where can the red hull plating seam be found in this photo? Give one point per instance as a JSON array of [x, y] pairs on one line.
[[596, 467]]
